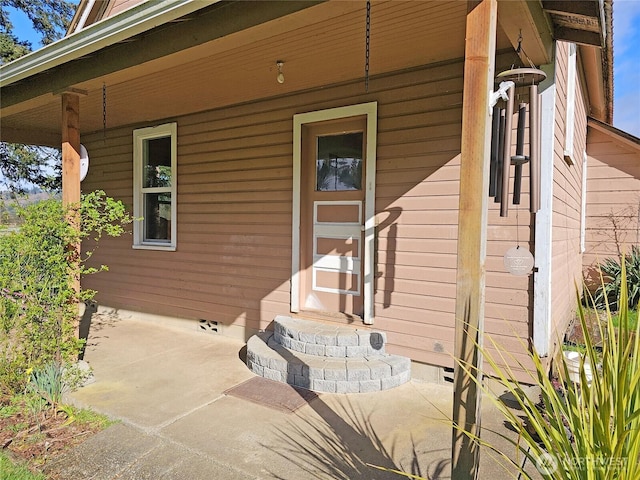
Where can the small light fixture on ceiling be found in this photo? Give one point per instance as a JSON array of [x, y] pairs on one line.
[[280, 76]]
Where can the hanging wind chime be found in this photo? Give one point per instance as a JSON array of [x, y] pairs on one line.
[[522, 82], [519, 80]]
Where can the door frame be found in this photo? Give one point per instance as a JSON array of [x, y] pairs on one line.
[[370, 111]]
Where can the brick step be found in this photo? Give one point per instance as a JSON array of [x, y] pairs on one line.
[[338, 341], [268, 358]]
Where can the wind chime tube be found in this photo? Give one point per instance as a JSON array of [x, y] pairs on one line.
[[517, 184], [534, 149], [493, 164], [500, 156], [519, 158], [506, 156]]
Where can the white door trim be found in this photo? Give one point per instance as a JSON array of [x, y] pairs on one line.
[[370, 110], [542, 290]]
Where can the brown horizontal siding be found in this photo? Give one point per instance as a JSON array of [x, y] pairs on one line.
[[116, 6], [235, 176], [613, 200], [567, 198], [416, 232]]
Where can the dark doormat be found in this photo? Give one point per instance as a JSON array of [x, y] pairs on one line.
[[270, 393]]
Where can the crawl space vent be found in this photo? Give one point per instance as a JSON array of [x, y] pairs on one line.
[[209, 326]]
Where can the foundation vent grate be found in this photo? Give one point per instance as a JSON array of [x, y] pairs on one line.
[[209, 326]]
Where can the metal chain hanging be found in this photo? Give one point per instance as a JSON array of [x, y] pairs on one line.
[[104, 112], [367, 45]]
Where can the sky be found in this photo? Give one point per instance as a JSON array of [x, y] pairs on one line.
[[626, 66], [626, 61]]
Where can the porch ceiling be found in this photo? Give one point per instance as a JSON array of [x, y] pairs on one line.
[[320, 45]]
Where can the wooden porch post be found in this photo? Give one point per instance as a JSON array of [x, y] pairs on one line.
[[70, 148], [472, 232], [71, 166]]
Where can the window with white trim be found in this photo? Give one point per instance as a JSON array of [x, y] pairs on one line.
[[154, 187]]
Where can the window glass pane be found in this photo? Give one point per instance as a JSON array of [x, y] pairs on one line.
[[157, 162], [157, 216], [339, 162]]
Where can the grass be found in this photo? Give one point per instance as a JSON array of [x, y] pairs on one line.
[[632, 316], [10, 470], [632, 319], [569, 347], [92, 420], [35, 432]]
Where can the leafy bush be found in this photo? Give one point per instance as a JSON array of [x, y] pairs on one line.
[[608, 291], [39, 269]]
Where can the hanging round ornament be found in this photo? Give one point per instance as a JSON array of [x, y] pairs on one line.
[[518, 261], [84, 162]]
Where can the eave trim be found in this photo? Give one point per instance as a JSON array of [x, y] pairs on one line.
[[620, 135], [112, 30]]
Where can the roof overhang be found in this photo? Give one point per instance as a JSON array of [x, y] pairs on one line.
[[580, 22], [618, 135], [110, 31], [588, 23], [142, 40], [87, 12], [597, 62]]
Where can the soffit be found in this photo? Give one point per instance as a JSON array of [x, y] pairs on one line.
[[320, 45]]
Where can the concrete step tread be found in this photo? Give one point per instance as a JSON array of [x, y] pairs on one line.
[[314, 338], [269, 359]]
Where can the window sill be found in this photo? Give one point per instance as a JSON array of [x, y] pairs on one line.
[[166, 248]]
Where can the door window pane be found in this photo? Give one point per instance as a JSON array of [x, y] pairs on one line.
[[157, 162], [339, 162], [157, 216]]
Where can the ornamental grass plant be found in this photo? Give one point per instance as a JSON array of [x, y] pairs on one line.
[[607, 293], [580, 430], [577, 430]]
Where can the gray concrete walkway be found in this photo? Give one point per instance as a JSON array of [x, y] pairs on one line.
[[167, 385]]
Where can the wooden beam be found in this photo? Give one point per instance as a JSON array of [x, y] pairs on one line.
[[582, 37], [71, 176], [70, 148], [519, 17], [77, 91], [480, 47], [584, 8]]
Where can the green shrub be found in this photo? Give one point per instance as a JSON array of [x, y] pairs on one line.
[[608, 291], [38, 271]]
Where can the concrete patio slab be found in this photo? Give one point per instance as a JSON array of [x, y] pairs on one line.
[[166, 386]]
